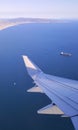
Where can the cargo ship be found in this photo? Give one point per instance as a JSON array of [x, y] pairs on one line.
[[65, 54]]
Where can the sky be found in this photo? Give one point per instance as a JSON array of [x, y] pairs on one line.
[[58, 9]]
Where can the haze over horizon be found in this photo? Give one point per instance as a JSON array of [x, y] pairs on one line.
[[58, 9]]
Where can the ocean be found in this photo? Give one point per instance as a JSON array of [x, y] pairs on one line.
[[43, 44]]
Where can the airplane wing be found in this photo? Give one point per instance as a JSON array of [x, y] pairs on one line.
[[62, 92]]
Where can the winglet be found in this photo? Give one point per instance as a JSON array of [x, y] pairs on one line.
[[28, 63], [32, 69]]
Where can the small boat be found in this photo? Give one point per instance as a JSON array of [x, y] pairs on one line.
[[14, 83], [65, 54]]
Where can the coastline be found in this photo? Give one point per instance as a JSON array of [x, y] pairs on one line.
[[4, 26], [6, 23]]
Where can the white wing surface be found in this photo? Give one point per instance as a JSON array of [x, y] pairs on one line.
[[62, 92]]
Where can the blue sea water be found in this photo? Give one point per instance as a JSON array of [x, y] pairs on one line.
[[43, 44]]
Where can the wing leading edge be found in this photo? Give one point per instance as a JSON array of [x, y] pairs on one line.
[[63, 92]]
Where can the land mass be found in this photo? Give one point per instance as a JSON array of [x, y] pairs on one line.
[[5, 23]]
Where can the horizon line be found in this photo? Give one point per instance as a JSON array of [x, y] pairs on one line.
[[39, 18]]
